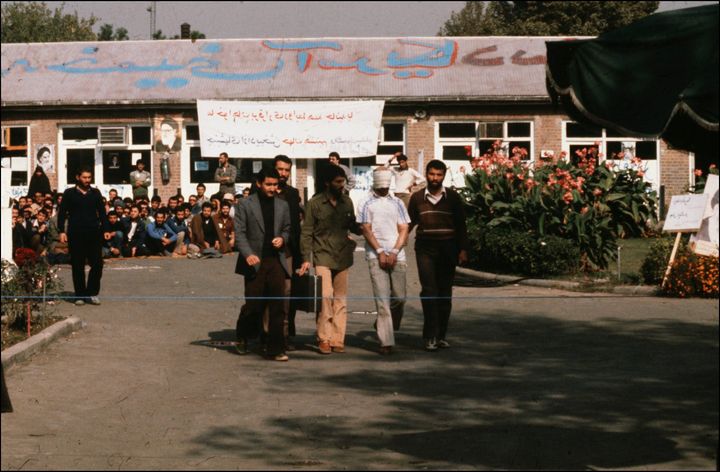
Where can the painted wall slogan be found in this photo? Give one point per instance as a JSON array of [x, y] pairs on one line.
[[303, 129], [418, 59]]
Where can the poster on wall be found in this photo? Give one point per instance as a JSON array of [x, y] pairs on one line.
[[45, 157], [705, 242], [170, 140], [297, 129]]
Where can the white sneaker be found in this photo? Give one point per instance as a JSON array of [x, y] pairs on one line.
[[443, 344], [431, 345], [79, 302], [94, 301]]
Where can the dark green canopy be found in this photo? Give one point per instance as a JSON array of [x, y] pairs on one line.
[[657, 77]]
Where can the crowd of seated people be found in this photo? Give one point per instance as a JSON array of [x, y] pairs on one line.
[[200, 227]]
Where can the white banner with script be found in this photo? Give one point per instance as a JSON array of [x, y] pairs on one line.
[[297, 129]]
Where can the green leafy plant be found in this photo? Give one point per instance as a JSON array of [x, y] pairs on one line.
[[589, 204], [26, 286]]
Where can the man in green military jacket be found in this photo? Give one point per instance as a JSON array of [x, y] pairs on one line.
[[326, 243]]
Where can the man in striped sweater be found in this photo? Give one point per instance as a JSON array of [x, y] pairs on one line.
[[441, 244]]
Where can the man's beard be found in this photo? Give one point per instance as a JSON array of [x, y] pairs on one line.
[[434, 185], [336, 192]]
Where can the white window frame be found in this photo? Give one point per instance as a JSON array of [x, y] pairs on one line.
[[603, 140], [124, 190], [381, 159], [16, 162], [454, 166]]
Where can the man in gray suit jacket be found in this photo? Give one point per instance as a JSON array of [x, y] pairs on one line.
[[262, 228]]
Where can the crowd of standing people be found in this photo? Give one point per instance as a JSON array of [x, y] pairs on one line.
[[275, 237]]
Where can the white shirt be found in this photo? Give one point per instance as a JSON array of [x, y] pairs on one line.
[[384, 214], [405, 179], [434, 199]]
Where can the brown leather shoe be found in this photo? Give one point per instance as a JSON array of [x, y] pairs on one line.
[[324, 347], [338, 349]]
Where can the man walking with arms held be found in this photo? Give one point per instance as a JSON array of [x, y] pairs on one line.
[[385, 223], [405, 177], [262, 225], [88, 225], [441, 244], [325, 242]]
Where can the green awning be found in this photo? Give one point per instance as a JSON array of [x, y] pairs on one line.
[[655, 78]]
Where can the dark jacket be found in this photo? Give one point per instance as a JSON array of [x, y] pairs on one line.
[[250, 232]]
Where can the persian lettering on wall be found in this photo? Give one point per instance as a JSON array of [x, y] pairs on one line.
[[306, 129]]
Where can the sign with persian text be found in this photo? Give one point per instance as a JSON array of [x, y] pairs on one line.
[[705, 242], [685, 214], [297, 129]]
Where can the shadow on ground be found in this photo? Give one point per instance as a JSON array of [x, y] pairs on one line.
[[513, 392]]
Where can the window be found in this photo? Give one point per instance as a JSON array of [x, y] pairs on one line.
[[112, 160], [118, 164], [16, 150], [77, 158], [202, 169], [392, 140], [611, 144], [455, 138]]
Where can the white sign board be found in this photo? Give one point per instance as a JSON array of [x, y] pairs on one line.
[[685, 214], [705, 242], [297, 129]]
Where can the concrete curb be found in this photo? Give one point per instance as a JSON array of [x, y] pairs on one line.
[[639, 290], [24, 350]]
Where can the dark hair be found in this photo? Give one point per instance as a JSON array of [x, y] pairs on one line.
[[225, 203], [283, 158], [40, 153], [112, 213], [128, 200], [402, 157], [42, 211], [207, 205], [156, 198], [201, 185], [334, 154], [437, 165], [82, 169], [112, 190], [224, 154], [265, 173], [181, 208], [161, 210], [174, 197], [332, 172]]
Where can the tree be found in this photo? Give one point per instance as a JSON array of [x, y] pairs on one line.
[[34, 22], [552, 18], [193, 35], [107, 33]]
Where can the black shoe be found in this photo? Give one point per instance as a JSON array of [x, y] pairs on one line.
[[241, 346]]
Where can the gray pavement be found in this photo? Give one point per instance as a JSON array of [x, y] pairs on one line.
[[537, 378]]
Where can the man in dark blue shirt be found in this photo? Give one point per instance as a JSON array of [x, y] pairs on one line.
[[88, 226]]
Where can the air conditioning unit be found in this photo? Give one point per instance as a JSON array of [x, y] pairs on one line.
[[112, 136]]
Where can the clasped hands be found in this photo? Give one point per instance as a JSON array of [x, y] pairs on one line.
[[252, 259]]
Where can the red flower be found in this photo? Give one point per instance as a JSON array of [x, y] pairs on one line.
[[24, 255]]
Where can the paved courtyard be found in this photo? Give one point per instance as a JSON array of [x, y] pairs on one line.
[[536, 379]]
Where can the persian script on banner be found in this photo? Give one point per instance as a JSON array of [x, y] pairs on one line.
[[308, 130]]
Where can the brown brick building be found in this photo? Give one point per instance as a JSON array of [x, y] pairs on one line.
[[104, 104]]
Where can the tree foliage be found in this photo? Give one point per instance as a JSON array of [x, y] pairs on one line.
[[34, 22], [552, 18], [193, 35], [109, 33]]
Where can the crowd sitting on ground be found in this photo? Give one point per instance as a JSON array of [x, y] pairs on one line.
[[200, 227]]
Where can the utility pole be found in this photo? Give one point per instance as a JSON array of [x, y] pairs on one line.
[[153, 13]]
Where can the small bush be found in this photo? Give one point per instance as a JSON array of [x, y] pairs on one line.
[[655, 264], [693, 275], [517, 252]]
